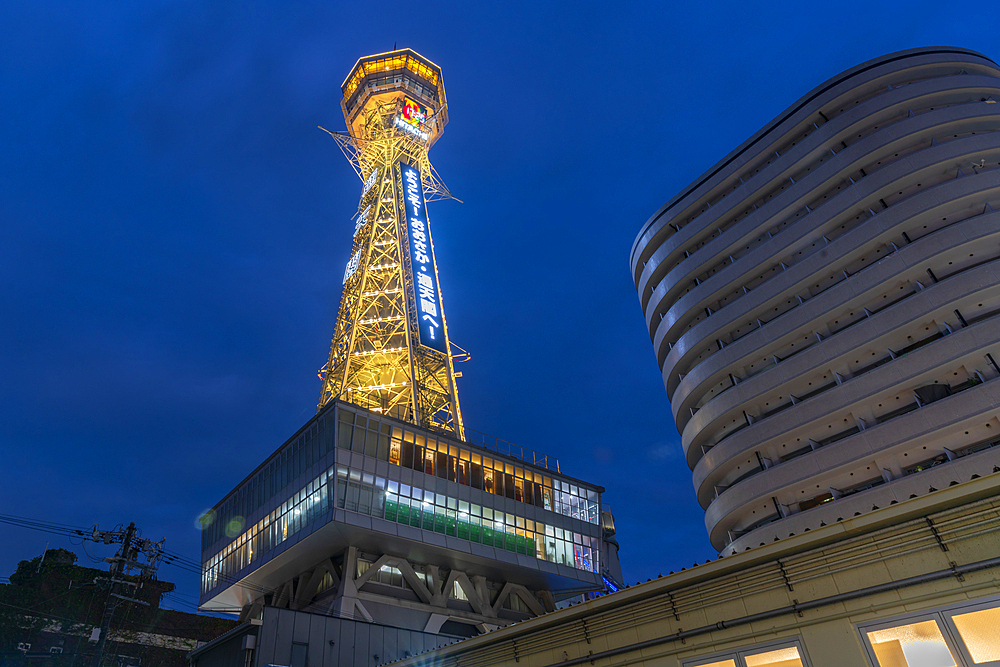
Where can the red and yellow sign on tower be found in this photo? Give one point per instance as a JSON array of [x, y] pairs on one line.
[[390, 351]]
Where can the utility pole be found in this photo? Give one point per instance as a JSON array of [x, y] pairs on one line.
[[121, 563]]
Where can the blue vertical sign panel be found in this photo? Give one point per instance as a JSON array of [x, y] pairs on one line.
[[423, 273]]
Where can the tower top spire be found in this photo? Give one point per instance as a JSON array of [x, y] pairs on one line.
[[402, 75]]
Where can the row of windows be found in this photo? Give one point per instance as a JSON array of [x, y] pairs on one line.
[[308, 504], [461, 466], [785, 654], [285, 466], [387, 65], [962, 635], [449, 461], [388, 443], [371, 495]]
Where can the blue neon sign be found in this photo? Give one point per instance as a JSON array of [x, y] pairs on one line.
[[423, 273]]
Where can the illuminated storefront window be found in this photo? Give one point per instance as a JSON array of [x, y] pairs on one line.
[[980, 633], [956, 636], [782, 654], [916, 644]]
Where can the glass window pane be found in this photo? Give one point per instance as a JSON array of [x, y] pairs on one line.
[[721, 663], [782, 657], [914, 645], [979, 632]]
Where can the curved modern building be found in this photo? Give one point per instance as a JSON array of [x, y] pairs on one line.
[[824, 303]]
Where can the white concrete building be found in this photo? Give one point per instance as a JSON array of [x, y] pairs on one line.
[[823, 303]]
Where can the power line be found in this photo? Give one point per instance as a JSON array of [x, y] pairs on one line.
[[168, 557]]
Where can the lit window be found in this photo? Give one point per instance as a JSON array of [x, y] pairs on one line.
[[978, 630], [782, 657], [961, 635], [782, 654], [914, 645]]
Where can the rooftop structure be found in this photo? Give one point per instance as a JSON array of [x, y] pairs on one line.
[[824, 302]]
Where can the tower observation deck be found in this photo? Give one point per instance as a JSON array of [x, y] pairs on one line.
[[390, 351]]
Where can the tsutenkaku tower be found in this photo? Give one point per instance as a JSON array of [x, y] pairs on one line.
[[390, 351]]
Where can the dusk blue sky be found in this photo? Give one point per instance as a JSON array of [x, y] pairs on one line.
[[174, 229]]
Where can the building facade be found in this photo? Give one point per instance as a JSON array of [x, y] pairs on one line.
[[362, 516], [823, 303]]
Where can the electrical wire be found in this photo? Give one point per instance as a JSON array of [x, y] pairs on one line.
[[86, 617], [38, 612], [169, 557], [118, 632]]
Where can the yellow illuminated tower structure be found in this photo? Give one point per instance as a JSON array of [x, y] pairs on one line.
[[390, 351]]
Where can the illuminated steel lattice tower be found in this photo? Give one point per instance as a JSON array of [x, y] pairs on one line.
[[390, 351]]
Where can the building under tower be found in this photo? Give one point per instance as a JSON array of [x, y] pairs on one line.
[[384, 526]]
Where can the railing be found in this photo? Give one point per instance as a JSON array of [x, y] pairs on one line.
[[469, 435], [500, 446]]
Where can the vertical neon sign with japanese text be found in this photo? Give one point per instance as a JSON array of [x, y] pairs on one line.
[[430, 318]]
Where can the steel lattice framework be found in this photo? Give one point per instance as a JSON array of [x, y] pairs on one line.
[[376, 359]]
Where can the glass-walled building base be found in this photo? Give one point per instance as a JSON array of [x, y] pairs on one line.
[[485, 535]]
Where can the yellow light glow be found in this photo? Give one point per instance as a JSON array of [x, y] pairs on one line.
[[782, 657], [980, 631], [375, 359], [914, 645]]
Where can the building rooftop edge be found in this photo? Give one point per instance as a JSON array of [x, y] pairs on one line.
[[330, 405], [784, 115], [969, 492]]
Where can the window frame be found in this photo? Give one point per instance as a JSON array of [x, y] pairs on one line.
[[966, 608], [738, 655], [942, 616]]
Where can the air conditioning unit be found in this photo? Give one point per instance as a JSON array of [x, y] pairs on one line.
[[56, 649], [23, 647]]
